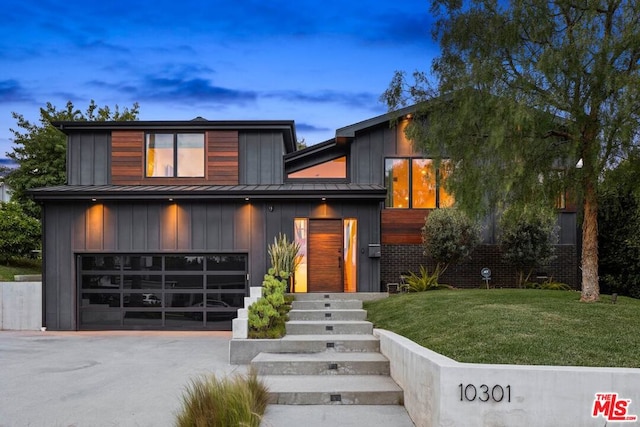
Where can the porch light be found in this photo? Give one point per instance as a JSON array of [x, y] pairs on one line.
[[246, 199], [324, 199], [93, 199]]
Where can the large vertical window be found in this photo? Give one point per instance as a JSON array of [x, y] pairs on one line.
[[175, 155], [300, 226], [350, 251], [416, 183], [396, 173]]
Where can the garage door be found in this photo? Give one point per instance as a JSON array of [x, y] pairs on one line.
[[167, 291]]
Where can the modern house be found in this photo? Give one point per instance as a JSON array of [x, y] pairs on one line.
[[165, 224]]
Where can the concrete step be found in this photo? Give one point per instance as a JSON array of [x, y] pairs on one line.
[[338, 343], [332, 390], [328, 327], [323, 363], [327, 314], [329, 304], [339, 296]]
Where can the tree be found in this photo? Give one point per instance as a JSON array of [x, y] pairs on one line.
[[524, 90], [19, 233], [528, 235], [619, 217], [449, 236], [41, 150]]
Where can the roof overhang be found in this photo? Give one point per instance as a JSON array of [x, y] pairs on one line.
[[289, 191], [384, 119], [315, 154]]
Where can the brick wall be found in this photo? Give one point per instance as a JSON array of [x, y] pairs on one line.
[[397, 259]]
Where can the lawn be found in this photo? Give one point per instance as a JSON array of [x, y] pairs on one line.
[[528, 327], [22, 266]]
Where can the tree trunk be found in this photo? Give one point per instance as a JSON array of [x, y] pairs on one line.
[[590, 286]]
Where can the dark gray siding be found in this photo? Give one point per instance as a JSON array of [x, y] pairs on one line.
[[88, 161], [371, 147], [261, 158], [164, 227]]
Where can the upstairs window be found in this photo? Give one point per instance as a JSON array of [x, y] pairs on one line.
[[175, 155], [415, 183], [334, 169]]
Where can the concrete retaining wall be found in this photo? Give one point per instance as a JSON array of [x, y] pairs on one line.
[[439, 391], [21, 306]]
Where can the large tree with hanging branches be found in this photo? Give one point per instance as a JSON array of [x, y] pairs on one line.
[[523, 92]]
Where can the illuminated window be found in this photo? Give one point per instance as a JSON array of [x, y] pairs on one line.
[[336, 168], [415, 183], [350, 251], [175, 155], [300, 226]]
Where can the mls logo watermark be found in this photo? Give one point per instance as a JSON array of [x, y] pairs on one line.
[[612, 408]]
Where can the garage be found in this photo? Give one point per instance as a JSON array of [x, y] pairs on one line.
[[160, 291]]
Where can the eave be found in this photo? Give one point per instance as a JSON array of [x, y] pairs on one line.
[[289, 191]]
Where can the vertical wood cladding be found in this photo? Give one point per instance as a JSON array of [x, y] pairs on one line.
[[402, 226], [127, 157], [222, 157], [127, 160]]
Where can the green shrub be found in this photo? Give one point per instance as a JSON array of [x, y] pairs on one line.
[[528, 237], [268, 315], [555, 286], [449, 236], [19, 233], [212, 402], [422, 282]]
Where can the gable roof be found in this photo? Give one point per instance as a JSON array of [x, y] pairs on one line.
[[350, 131]]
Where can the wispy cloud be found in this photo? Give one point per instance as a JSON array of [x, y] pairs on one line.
[[359, 100], [195, 89], [12, 91], [306, 127]]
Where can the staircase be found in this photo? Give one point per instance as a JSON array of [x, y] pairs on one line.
[[337, 358]]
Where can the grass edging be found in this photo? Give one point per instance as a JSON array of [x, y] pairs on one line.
[[527, 327]]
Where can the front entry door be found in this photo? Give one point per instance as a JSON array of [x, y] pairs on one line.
[[325, 256]]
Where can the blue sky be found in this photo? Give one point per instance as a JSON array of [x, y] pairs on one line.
[[323, 64]]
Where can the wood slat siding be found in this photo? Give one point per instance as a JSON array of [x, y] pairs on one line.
[[402, 226], [127, 160], [222, 157], [127, 157]]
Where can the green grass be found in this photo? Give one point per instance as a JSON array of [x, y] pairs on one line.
[[19, 266], [529, 327], [234, 401]]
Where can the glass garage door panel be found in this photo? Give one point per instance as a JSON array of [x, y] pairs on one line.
[[154, 291]]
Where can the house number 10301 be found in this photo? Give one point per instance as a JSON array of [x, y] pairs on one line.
[[484, 393]]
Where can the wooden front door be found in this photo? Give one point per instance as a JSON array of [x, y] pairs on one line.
[[325, 256]]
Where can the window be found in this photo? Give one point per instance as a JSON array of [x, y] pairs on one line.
[[336, 168], [175, 155], [415, 183]]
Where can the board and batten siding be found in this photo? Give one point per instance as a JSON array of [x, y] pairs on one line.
[[128, 160], [187, 227], [261, 158], [88, 158]]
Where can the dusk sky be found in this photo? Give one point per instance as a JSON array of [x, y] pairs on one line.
[[323, 64]]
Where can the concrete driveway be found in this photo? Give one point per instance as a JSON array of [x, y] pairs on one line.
[[103, 378]]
